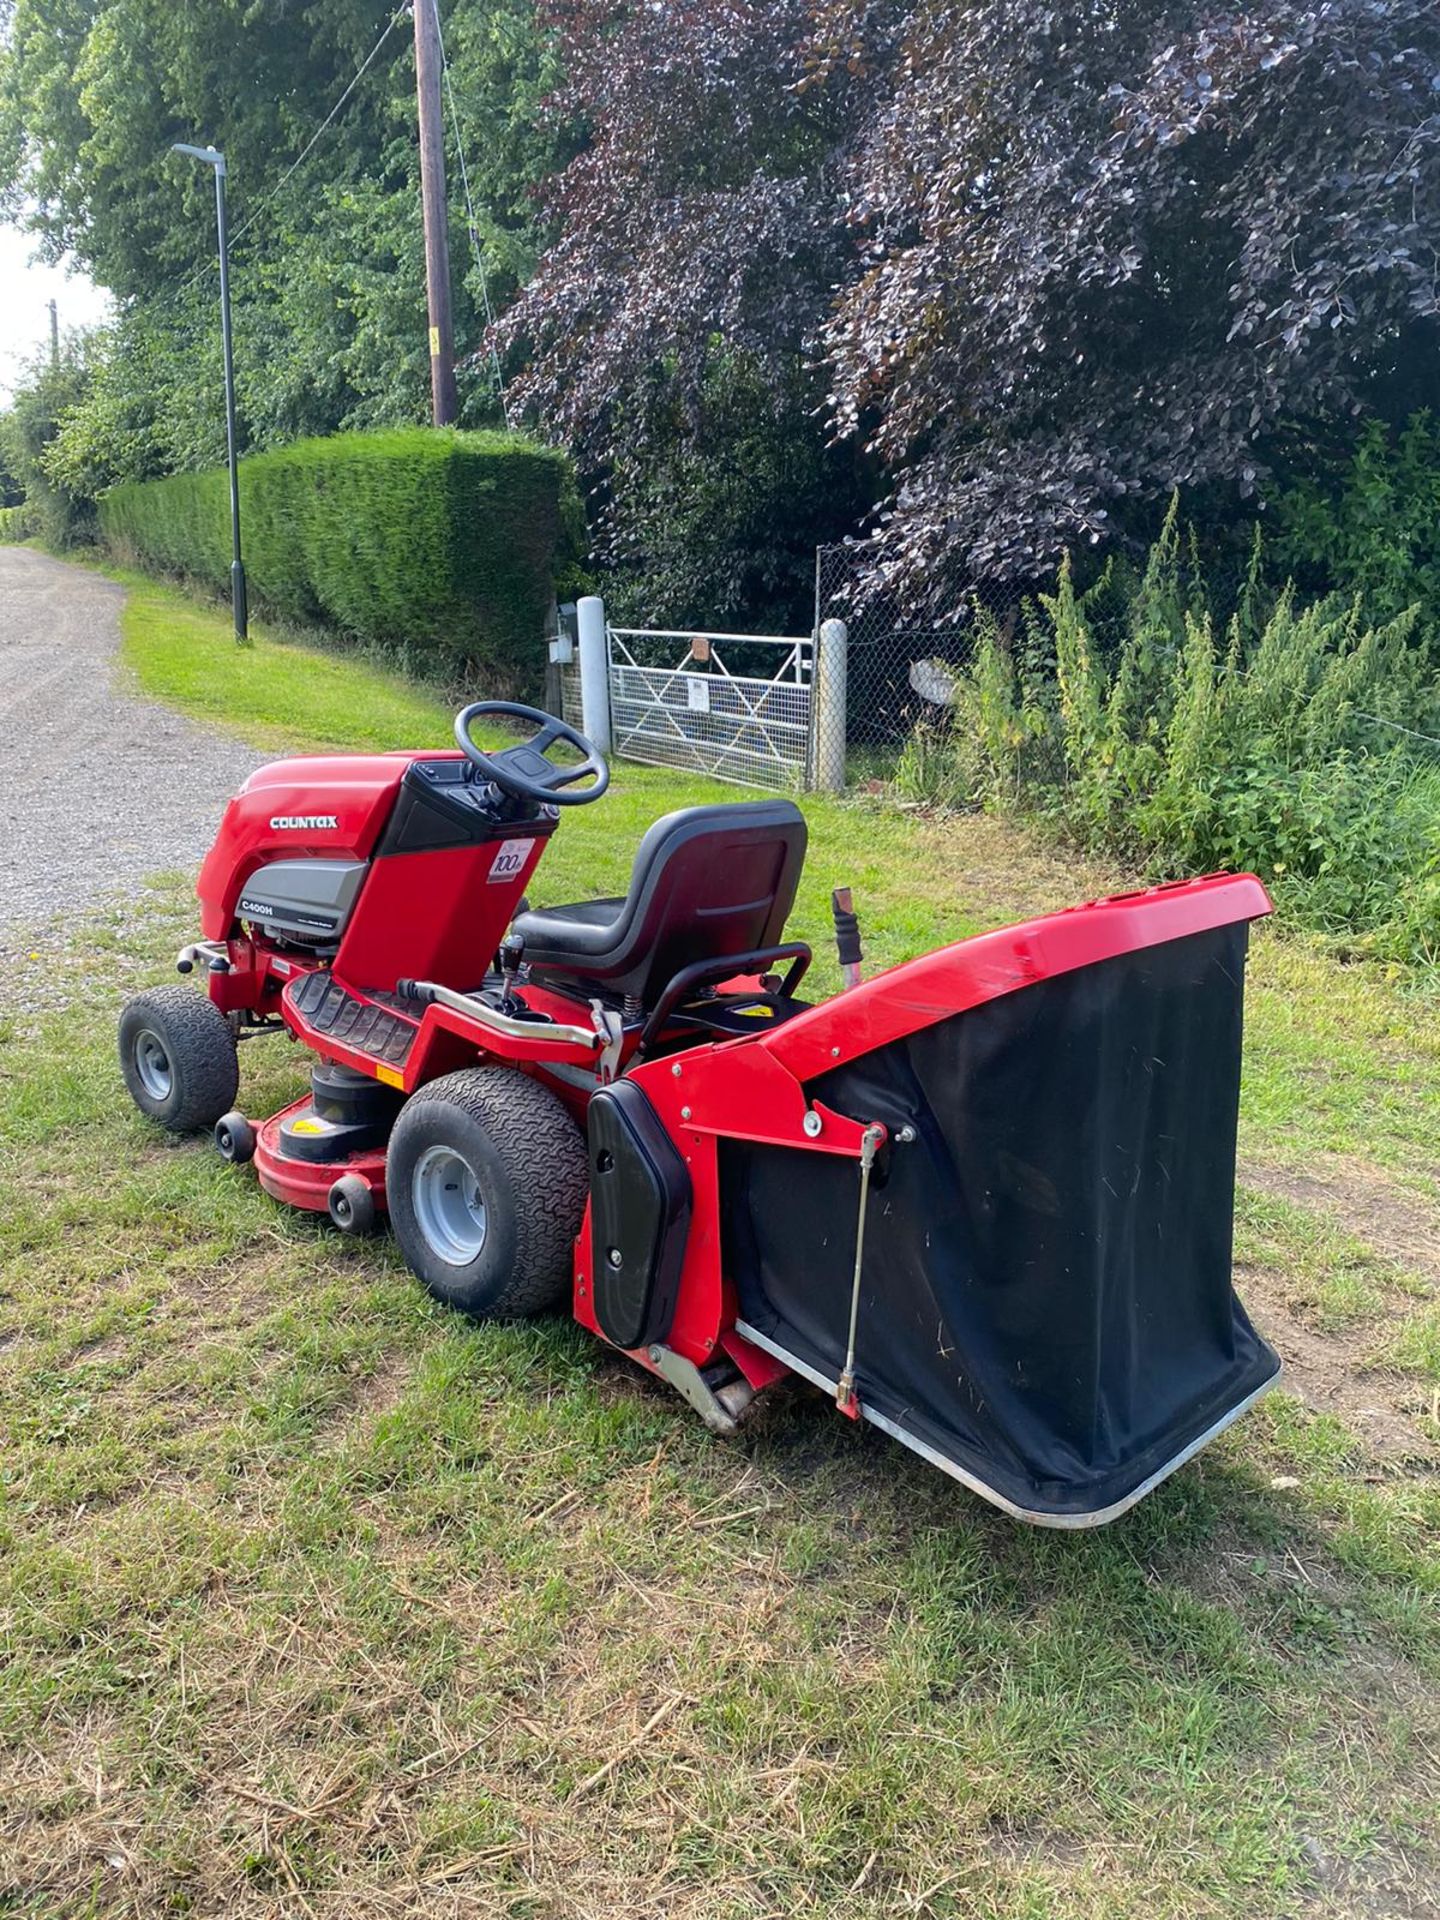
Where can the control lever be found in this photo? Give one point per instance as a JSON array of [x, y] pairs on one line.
[[847, 936], [512, 959]]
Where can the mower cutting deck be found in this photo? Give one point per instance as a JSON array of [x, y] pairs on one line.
[[984, 1200]]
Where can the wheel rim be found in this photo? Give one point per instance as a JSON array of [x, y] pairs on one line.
[[449, 1206], [152, 1065]]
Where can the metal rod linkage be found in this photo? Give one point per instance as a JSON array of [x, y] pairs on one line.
[[870, 1142], [425, 993]]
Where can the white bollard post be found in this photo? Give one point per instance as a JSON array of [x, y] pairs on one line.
[[830, 681], [594, 671]]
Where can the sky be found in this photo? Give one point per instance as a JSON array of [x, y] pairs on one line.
[[25, 287]]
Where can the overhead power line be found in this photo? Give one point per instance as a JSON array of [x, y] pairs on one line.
[[453, 115], [295, 165], [365, 65]]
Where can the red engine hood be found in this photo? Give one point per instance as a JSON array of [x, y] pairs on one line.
[[322, 807]]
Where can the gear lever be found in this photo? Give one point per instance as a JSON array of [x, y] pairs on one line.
[[512, 958]]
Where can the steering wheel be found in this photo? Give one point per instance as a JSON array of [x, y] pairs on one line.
[[524, 771]]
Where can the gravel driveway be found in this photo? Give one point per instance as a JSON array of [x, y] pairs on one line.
[[98, 788]]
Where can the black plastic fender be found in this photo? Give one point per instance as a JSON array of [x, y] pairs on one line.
[[640, 1205]]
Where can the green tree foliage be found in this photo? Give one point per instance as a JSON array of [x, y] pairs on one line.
[[12, 487], [720, 508], [328, 279], [446, 545], [46, 396], [1369, 523], [1272, 742]]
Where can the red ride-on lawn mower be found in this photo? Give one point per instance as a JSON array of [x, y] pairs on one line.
[[984, 1200]]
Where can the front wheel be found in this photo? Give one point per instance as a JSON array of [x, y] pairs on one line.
[[178, 1056], [235, 1138], [351, 1205], [486, 1179]]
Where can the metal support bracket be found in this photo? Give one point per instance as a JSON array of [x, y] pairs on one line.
[[719, 1407], [611, 1031]]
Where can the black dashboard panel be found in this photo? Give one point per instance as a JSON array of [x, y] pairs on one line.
[[443, 803]]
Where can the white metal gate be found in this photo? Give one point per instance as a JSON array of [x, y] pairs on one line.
[[736, 706]]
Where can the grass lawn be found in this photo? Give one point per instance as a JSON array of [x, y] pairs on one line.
[[317, 1600]]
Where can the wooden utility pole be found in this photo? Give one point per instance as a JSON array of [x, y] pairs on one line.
[[432, 196], [54, 335]]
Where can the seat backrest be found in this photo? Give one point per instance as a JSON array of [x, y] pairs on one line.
[[707, 882]]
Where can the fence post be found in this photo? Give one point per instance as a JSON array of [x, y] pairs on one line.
[[594, 671], [829, 696]]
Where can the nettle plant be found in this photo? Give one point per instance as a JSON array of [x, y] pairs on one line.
[[1145, 728], [1371, 527]]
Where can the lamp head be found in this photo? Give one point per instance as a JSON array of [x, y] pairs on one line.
[[212, 156]]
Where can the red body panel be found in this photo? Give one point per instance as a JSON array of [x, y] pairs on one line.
[[257, 977], [446, 1040], [434, 916], [915, 995], [356, 790]]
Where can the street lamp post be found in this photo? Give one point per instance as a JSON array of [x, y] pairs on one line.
[[212, 157]]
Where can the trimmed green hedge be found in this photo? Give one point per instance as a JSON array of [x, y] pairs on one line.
[[16, 523], [446, 543]]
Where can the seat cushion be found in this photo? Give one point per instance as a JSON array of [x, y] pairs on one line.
[[584, 929], [707, 882]]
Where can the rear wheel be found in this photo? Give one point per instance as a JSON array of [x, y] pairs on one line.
[[178, 1056], [486, 1179]]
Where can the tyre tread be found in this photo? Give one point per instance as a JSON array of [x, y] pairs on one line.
[[204, 1054], [544, 1154]]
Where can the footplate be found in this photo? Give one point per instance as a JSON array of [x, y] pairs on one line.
[[368, 1024]]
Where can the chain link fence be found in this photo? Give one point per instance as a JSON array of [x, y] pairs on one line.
[[897, 675], [827, 710]]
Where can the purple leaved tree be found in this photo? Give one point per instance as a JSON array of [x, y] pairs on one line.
[[1051, 262]]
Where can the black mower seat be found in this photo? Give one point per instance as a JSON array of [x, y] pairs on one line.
[[708, 882]]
